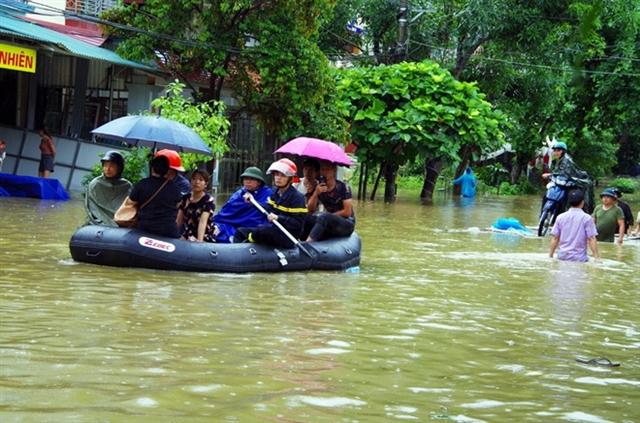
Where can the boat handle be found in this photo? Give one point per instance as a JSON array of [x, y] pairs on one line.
[[252, 251], [213, 253], [93, 253], [348, 251]]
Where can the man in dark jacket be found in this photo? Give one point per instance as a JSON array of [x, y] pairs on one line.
[[628, 216], [286, 205]]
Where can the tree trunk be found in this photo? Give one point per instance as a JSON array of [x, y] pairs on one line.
[[375, 185], [516, 170], [390, 172], [432, 168], [465, 154], [361, 180]]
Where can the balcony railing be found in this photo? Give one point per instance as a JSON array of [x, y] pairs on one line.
[[90, 7]]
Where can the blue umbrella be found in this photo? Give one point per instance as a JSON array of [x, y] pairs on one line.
[[155, 132]]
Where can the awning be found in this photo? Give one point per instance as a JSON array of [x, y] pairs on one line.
[[19, 28]]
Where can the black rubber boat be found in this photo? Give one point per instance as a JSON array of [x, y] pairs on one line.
[[131, 248]]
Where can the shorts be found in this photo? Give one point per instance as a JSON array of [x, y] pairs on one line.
[[46, 163]]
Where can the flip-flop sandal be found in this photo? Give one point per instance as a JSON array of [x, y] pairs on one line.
[[601, 361]]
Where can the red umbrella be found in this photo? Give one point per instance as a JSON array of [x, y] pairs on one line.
[[316, 148]]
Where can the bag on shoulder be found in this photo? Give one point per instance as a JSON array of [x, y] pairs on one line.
[[127, 215]]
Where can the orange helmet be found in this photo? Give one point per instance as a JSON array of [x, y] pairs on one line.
[[284, 166], [175, 162]]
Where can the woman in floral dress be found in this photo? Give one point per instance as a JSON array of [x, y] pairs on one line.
[[195, 214]]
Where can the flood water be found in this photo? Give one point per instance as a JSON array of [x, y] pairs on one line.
[[444, 321]]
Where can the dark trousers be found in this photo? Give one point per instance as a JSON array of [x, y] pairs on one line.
[[328, 225], [265, 234]]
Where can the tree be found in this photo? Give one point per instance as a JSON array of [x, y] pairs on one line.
[[264, 50], [207, 119], [398, 112]]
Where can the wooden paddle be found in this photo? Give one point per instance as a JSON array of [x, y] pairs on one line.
[[279, 226]]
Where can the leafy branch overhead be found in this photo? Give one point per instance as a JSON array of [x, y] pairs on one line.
[[400, 111], [207, 119]]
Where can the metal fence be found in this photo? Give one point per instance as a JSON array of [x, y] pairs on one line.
[[248, 147]]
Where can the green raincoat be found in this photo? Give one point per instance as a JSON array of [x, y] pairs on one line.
[[103, 197]]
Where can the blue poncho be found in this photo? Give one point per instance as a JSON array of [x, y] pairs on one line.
[[468, 181], [237, 213]]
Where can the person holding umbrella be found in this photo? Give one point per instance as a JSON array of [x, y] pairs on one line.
[[339, 219], [286, 206]]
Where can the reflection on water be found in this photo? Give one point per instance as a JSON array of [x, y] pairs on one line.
[[445, 321]]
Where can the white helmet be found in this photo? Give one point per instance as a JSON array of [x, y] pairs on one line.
[[284, 166]]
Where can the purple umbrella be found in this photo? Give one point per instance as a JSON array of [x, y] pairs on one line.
[[318, 149]]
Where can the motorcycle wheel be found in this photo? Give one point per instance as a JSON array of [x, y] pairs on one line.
[[545, 221]]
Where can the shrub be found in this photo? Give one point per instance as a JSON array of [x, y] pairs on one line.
[[626, 185]]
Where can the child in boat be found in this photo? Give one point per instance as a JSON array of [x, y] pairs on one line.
[[195, 211], [339, 219], [286, 205]]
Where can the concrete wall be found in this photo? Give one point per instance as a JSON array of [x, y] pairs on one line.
[[74, 158]]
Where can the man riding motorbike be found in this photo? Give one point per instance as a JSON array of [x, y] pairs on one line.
[[564, 175]]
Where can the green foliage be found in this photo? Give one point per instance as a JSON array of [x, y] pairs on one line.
[[398, 112], [521, 188], [207, 119], [136, 165], [265, 51], [626, 185]]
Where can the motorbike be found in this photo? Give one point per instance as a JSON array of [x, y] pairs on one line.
[[555, 199]]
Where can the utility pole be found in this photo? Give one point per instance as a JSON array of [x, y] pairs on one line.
[[403, 31]]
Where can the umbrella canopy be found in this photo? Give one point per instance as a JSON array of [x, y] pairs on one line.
[[318, 149], [155, 132]]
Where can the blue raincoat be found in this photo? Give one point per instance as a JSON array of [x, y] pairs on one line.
[[237, 213], [468, 181]]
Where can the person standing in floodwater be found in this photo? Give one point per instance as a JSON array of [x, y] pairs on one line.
[[573, 230], [48, 153], [3, 152], [468, 183]]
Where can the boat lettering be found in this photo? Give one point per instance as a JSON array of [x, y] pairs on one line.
[[156, 244]]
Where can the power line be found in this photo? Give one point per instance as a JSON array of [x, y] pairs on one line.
[[536, 65], [129, 28]]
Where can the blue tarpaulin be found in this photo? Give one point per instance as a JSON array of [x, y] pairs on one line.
[[30, 186]]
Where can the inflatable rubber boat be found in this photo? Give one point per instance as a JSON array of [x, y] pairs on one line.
[[123, 247]]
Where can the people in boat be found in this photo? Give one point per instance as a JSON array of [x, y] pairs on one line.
[[468, 183], [160, 198], [195, 211], [310, 173], [176, 170], [609, 218], [47, 153], [236, 212], [106, 192], [573, 231], [339, 219], [286, 206], [626, 210]]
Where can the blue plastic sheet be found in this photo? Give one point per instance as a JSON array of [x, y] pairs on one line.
[[30, 186], [505, 223]]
